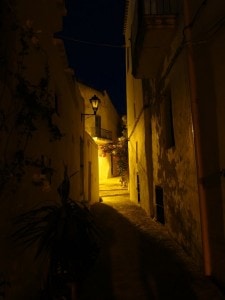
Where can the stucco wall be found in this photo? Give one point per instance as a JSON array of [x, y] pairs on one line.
[[109, 116], [206, 52], [104, 166], [217, 213], [109, 121], [137, 141], [91, 174], [174, 168], [209, 61], [18, 266]]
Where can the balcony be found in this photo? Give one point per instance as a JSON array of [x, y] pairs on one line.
[[153, 29], [100, 135]]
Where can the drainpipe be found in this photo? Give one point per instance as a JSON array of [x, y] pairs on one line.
[[197, 141]]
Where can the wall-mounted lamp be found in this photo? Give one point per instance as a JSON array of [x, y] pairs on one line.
[[95, 101]]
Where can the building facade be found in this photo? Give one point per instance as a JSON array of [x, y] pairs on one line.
[[175, 106], [91, 170], [102, 127], [41, 132]]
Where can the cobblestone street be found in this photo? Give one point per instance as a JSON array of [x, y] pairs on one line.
[[139, 261]]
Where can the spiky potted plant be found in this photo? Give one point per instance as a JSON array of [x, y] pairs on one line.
[[68, 235]]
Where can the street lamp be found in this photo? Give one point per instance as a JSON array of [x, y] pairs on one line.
[[95, 101]]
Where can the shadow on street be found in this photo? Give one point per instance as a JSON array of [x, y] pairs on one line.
[[133, 265]]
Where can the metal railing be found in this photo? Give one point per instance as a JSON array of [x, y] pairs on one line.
[[160, 7], [148, 9], [101, 133]]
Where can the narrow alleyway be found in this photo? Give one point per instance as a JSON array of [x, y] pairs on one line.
[[138, 260]]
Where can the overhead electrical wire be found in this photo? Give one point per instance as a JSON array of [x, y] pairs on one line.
[[88, 42]]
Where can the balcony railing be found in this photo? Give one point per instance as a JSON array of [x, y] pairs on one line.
[[160, 7], [101, 133], [152, 30]]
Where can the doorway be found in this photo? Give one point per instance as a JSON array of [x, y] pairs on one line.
[[138, 189], [159, 201]]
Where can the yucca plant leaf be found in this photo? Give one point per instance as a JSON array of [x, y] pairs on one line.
[[66, 233]]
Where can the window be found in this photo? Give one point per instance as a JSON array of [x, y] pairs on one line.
[[136, 152], [159, 201], [146, 91], [168, 122], [138, 189]]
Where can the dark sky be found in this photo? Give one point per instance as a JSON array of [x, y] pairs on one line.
[[93, 36]]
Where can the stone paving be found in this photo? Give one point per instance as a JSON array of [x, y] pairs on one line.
[[139, 261]]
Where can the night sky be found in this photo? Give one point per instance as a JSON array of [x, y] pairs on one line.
[[93, 37]]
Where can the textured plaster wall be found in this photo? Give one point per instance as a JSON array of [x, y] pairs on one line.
[[217, 213], [18, 266], [208, 54], [218, 60], [209, 60], [104, 166], [110, 120], [174, 168], [109, 116], [91, 174], [137, 144], [136, 121]]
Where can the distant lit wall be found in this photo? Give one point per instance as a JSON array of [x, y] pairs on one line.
[[103, 127], [137, 134], [104, 167], [91, 174]]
